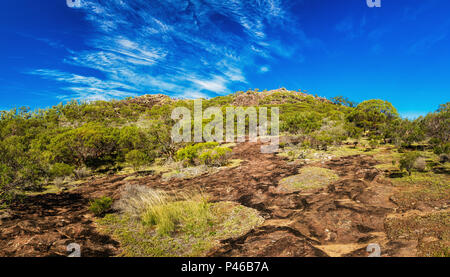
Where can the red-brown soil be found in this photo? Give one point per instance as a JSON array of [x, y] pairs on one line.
[[338, 220]]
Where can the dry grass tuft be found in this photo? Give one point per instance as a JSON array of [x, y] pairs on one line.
[[155, 223]]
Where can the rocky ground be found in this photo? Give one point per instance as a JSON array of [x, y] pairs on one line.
[[340, 219]]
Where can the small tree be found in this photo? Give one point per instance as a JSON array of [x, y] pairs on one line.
[[373, 114], [407, 161], [61, 170], [343, 101], [136, 159]]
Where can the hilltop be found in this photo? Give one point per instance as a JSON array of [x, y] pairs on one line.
[[345, 175]]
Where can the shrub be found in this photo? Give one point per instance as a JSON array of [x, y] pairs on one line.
[[301, 123], [82, 172], [372, 114], [320, 141], [343, 101], [190, 153], [6, 175], [61, 170], [373, 143], [407, 161], [442, 149], [91, 144], [215, 157], [100, 206], [136, 159], [444, 158]]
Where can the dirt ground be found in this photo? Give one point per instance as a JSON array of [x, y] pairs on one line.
[[338, 220]]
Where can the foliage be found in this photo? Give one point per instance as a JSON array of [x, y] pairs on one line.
[[407, 161], [437, 125], [91, 145], [218, 156], [442, 149], [372, 114], [78, 137], [101, 205], [136, 159], [302, 123], [61, 170], [154, 224], [191, 153], [165, 217], [343, 101]]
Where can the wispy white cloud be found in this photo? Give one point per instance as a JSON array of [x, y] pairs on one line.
[[426, 43], [177, 47], [264, 69], [87, 88]]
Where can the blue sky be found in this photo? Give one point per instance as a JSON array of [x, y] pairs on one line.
[[105, 49]]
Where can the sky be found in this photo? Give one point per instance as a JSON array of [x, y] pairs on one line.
[[112, 49]]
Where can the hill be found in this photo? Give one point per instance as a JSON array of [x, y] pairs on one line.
[[344, 175]]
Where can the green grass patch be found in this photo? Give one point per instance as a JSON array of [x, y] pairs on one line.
[[164, 226], [234, 163], [309, 178], [194, 171], [422, 187], [101, 205]]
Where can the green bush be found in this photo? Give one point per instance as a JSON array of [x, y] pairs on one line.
[[190, 153], [373, 143], [6, 177], [372, 114], [136, 159], [101, 205], [442, 149], [217, 156], [407, 161], [61, 170], [301, 123], [320, 141], [444, 158], [91, 145]]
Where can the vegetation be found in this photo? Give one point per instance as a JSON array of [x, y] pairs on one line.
[[407, 161], [427, 229], [76, 140], [185, 225], [101, 205], [53, 150], [208, 153], [309, 178]]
